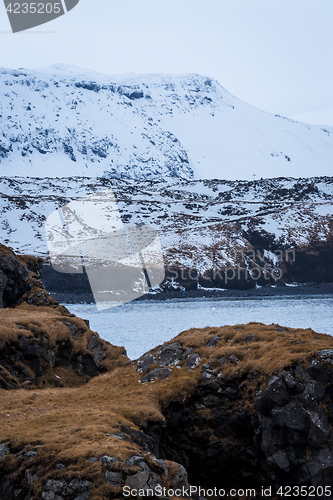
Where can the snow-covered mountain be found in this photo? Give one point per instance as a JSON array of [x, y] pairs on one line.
[[295, 212], [203, 225], [62, 121]]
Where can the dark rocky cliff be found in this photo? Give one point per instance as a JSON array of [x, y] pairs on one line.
[[245, 406], [241, 425], [20, 280], [41, 343], [233, 407]]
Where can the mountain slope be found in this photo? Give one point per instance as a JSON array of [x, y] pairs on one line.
[[205, 226], [63, 121]]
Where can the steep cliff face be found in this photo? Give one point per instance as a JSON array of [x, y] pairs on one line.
[[13, 278], [245, 406], [20, 280]]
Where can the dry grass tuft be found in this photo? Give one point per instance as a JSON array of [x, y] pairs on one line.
[[272, 348]]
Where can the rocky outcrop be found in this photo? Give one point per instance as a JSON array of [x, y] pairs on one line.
[[41, 343], [240, 427], [20, 280], [295, 418], [13, 278], [51, 348], [284, 439], [247, 406]]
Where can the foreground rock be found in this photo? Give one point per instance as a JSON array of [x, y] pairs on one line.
[[41, 343], [245, 406], [233, 407], [42, 347], [261, 410]]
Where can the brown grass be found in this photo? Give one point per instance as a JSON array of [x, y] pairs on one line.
[[33, 321], [6, 250], [274, 348], [51, 324], [119, 393], [71, 424]]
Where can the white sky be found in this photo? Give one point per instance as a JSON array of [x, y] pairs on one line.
[[274, 54]]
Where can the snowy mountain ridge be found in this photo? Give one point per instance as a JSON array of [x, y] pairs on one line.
[[62, 121], [191, 217]]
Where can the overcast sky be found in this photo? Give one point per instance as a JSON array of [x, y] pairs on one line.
[[273, 54]]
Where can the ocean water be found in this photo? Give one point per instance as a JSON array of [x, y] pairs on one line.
[[140, 326]]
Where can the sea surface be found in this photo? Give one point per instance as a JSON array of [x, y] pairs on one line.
[[139, 326]]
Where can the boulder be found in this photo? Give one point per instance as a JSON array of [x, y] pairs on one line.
[[213, 341], [138, 481], [107, 461], [169, 354], [114, 478], [192, 360], [145, 362]]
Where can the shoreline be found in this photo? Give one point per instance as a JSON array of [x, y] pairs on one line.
[[299, 290]]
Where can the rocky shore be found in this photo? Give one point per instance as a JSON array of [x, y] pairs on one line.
[[297, 289], [237, 407]]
